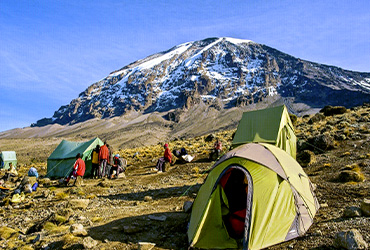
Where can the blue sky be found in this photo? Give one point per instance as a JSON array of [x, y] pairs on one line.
[[50, 51]]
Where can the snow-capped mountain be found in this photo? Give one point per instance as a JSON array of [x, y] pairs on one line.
[[224, 72]]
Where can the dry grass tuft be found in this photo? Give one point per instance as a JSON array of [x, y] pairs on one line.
[[61, 196], [70, 239], [54, 229], [7, 233], [96, 219]]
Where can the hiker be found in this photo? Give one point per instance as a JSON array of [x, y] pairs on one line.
[[183, 155], [78, 171], [95, 162], [103, 159], [167, 158], [118, 166], [216, 151]]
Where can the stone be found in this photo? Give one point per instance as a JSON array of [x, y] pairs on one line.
[[351, 212], [78, 203], [349, 176], [78, 230], [148, 198], [187, 206], [365, 207], [157, 217], [330, 111], [145, 245], [351, 239], [306, 158], [316, 118], [89, 242], [322, 142]]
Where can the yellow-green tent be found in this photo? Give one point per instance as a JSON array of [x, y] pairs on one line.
[[278, 201], [61, 161], [271, 125]]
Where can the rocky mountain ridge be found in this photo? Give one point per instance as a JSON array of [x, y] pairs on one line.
[[219, 72]]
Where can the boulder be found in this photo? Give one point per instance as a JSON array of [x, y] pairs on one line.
[[306, 158], [365, 207], [78, 230], [351, 212], [322, 142], [148, 198], [89, 242], [316, 118], [351, 239], [350, 176], [330, 110]]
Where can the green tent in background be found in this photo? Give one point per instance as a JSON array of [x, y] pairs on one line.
[[272, 125], [7, 157], [61, 161], [255, 196]]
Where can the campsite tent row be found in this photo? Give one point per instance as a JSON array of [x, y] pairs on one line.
[[7, 157], [60, 162]]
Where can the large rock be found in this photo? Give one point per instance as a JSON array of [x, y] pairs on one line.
[[351, 240], [351, 212], [78, 203], [365, 207], [306, 158], [322, 142], [337, 110], [316, 118], [350, 176], [78, 230], [89, 242]]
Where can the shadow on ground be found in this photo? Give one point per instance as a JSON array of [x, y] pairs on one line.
[[166, 230]]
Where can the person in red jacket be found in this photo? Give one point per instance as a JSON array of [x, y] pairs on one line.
[[103, 159], [78, 171]]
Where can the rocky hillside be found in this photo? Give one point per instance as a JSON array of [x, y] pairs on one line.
[[150, 210], [219, 72]]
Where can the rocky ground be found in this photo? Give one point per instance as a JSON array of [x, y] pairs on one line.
[[150, 207]]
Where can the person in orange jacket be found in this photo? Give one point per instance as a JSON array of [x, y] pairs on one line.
[[103, 159]]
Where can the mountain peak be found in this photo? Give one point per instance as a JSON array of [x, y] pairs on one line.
[[225, 72]]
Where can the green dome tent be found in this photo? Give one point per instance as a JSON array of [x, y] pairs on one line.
[[7, 157], [257, 189], [61, 161], [271, 125]]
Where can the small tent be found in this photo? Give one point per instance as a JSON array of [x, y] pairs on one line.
[[272, 125], [7, 157], [255, 196], [61, 161]]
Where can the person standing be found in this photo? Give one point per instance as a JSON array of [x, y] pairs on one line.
[[78, 171], [95, 162], [169, 160], [103, 159]]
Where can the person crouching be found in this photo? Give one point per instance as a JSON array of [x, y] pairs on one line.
[[117, 166], [78, 171]]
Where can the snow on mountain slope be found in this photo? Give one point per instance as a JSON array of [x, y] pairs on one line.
[[225, 72]]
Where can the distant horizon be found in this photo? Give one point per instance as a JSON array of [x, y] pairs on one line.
[[51, 51]]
